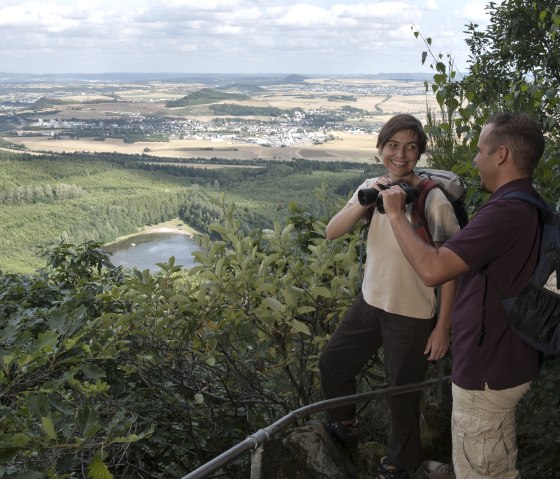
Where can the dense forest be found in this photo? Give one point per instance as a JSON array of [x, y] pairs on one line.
[[99, 197]]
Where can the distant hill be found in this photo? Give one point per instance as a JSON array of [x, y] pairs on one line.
[[44, 102], [294, 79], [243, 88], [206, 95]]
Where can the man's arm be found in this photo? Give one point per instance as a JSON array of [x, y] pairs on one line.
[[434, 266]]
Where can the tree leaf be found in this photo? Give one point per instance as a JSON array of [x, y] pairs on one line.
[[273, 304], [98, 470], [320, 291], [300, 327], [48, 425], [87, 420]]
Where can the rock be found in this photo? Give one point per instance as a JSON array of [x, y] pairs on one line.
[[307, 452]]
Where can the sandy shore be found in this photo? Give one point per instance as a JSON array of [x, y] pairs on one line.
[[163, 229], [171, 226]]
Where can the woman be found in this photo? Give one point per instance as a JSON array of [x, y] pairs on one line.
[[394, 308]]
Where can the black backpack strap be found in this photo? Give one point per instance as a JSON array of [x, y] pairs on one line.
[[483, 312], [548, 216], [548, 212]]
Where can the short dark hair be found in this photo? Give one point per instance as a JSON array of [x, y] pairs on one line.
[[522, 135], [401, 122]]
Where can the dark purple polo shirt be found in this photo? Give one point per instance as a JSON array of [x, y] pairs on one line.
[[502, 238]]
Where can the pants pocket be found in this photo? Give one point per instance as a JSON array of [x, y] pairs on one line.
[[485, 445]]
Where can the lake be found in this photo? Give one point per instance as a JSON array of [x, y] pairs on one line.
[[143, 251]]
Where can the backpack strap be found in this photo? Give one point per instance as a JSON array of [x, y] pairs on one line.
[[419, 220], [549, 218], [549, 214], [363, 237]]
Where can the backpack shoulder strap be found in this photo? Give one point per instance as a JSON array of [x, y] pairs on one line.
[[549, 255], [420, 222], [549, 213]]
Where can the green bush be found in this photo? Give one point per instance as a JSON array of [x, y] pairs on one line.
[[134, 374]]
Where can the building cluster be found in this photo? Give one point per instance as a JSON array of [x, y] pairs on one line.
[[296, 126]]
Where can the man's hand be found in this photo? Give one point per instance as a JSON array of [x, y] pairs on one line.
[[394, 200]]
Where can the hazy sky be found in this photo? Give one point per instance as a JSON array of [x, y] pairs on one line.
[[230, 36]]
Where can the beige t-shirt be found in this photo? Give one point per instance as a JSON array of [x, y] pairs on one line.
[[389, 281]]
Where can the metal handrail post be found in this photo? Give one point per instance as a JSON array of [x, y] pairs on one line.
[[256, 462], [255, 440]]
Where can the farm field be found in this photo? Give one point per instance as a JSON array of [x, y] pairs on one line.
[[61, 122], [345, 147]]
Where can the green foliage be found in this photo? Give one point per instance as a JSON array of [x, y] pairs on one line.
[[539, 419], [195, 360], [57, 358], [40, 193], [134, 374], [514, 65]]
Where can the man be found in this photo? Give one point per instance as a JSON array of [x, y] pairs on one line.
[[493, 255]]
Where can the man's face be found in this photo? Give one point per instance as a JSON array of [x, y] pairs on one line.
[[400, 154], [484, 159]]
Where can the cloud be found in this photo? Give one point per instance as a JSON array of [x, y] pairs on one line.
[[211, 5], [476, 12], [227, 30], [301, 16], [226, 35], [431, 5], [380, 10]]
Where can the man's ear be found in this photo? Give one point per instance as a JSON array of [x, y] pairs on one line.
[[502, 153]]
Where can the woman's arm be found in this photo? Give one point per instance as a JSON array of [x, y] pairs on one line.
[[438, 342], [345, 219]]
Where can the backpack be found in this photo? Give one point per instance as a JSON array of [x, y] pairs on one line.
[[454, 188], [534, 314]]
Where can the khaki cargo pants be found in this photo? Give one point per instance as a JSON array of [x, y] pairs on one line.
[[484, 432]]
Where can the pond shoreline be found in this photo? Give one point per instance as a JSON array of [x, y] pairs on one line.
[[172, 226]]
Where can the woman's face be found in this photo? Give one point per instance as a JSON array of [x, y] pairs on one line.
[[400, 154]]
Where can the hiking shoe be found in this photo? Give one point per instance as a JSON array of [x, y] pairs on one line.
[[386, 471], [348, 435], [438, 470]]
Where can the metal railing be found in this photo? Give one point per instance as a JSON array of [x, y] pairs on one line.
[[255, 442]]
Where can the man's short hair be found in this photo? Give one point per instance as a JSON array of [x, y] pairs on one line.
[[522, 135]]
